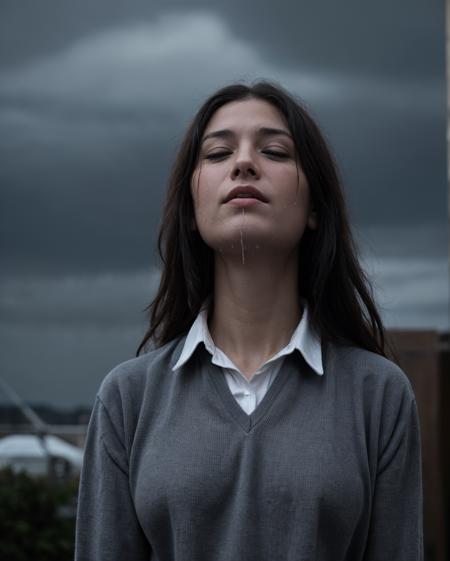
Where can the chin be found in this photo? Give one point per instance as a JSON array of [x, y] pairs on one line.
[[254, 240]]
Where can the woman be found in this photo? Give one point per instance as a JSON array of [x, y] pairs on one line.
[[266, 423]]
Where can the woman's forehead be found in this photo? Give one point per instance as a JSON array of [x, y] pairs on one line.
[[246, 114]]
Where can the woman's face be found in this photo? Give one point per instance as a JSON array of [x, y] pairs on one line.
[[247, 151]]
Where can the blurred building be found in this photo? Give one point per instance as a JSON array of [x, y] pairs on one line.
[[40, 455]]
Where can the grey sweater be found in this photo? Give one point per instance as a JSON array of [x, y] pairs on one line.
[[325, 469]]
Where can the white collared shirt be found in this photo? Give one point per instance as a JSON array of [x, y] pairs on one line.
[[249, 393]]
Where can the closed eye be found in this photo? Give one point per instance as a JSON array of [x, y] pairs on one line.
[[221, 155], [217, 155], [276, 154]]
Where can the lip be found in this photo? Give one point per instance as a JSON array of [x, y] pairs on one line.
[[252, 192], [244, 201]]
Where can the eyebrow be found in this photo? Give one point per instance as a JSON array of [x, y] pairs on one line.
[[263, 131]]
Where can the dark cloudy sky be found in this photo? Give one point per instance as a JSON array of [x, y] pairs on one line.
[[94, 99]]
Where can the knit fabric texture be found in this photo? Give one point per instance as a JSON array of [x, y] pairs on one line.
[[327, 468]]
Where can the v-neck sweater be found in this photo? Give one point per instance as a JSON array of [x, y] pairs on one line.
[[249, 393], [326, 468]]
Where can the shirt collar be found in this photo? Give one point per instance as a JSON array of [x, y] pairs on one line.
[[304, 339]]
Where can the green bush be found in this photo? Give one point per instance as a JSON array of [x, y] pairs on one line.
[[37, 517]]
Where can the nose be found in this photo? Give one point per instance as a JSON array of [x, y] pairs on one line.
[[244, 166]]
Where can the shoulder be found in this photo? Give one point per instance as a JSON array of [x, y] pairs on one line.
[[369, 372], [376, 388], [131, 378], [130, 390]]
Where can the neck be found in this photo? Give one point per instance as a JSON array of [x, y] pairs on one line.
[[256, 308]]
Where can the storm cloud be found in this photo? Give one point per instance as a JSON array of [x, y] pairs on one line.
[[90, 131]]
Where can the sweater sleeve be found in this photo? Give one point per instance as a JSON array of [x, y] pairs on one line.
[[396, 527], [107, 526]]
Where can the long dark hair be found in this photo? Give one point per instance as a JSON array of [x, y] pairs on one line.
[[340, 301]]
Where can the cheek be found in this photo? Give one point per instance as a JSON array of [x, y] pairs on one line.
[[302, 192], [295, 193], [295, 206], [195, 185], [200, 200], [199, 190], [202, 189]]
